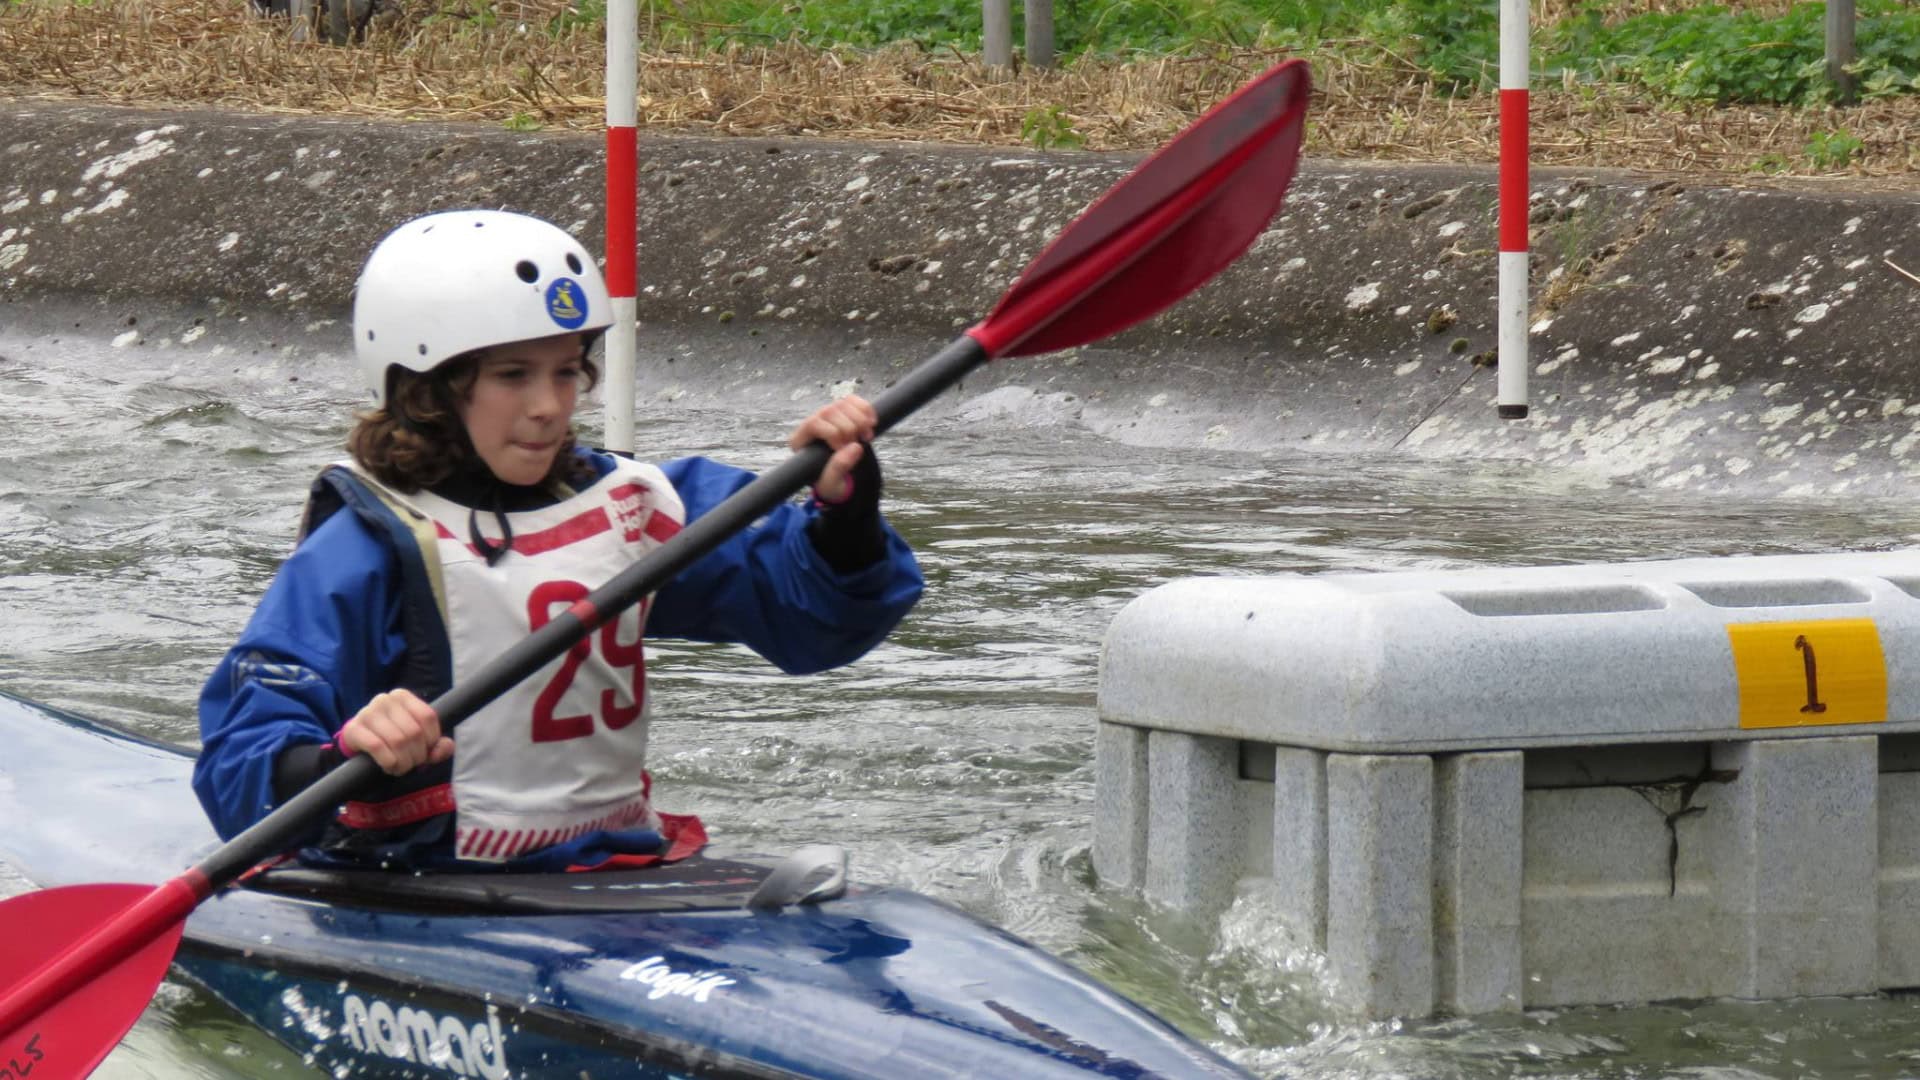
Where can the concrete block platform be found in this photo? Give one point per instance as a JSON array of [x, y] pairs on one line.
[[1494, 789]]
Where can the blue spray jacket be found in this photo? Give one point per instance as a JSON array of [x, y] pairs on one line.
[[332, 629]]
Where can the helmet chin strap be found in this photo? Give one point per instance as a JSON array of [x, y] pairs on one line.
[[491, 551]]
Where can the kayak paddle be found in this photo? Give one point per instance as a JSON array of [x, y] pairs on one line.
[[78, 964]]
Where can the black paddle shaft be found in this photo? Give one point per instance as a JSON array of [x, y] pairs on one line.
[[282, 828]]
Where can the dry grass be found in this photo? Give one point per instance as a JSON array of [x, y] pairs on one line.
[[213, 52]]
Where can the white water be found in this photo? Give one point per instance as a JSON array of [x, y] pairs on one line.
[[148, 494]]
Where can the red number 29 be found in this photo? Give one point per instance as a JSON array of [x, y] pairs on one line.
[[550, 728]]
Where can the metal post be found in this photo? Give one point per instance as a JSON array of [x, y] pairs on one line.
[[1840, 24], [1040, 33], [997, 43]]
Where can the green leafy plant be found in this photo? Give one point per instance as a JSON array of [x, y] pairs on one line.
[[1886, 81], [1459, 44], [522, 120], [1050, 129], [1833, 149]]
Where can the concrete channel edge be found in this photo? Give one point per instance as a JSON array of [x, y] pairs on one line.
[[1693, 338]]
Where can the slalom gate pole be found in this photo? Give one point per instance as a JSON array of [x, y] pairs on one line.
[[1512, 342]]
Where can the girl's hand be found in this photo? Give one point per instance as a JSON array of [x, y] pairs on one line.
[[842, 425], [399, 730]]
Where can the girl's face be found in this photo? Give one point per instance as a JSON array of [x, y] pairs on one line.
[[520, 407]]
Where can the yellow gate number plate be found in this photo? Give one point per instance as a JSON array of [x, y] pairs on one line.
[[1796, 674]]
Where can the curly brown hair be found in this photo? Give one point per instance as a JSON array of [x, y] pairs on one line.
[[417, 439]]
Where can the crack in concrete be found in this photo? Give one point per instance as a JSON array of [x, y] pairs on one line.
[[1660, 793]]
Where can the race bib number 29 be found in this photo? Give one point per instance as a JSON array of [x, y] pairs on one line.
[[548, 726]]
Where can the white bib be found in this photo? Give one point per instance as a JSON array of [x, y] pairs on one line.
[[560, 754]]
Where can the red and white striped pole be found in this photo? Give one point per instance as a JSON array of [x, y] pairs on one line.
[[1512, 343], [623, 198]]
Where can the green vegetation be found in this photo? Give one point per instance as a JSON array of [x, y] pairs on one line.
[[1833, 149], [1706, 52], [1826, 151], [1714, 54], [1049, 129]]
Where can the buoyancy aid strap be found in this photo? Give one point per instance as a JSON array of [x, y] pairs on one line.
[[412, 537], [425, 534], [408, 809]]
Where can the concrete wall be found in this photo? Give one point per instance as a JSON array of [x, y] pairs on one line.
[[1688, 337]]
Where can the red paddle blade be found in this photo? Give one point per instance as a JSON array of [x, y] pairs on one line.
[[1178, 219], [83, 1023]]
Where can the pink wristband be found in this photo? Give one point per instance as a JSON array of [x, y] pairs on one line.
[[340, 744]]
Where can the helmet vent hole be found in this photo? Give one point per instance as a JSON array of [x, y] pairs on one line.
[[573, 262], [528, 272], [369, 335], [423, 350]]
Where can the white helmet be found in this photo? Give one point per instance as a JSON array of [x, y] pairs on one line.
[[449, 283]]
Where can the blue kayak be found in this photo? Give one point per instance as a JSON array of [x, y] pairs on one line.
[[711, 967]]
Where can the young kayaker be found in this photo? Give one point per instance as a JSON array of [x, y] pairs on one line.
[[468, 517]]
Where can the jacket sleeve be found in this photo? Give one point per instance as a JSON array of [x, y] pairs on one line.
[[324, 639], [769, 589]]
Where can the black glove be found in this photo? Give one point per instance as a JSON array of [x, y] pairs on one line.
[[849, 534]]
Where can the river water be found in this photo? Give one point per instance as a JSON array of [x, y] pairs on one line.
[[149, 492]]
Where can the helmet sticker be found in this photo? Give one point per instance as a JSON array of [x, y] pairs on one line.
[[567, 303]]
